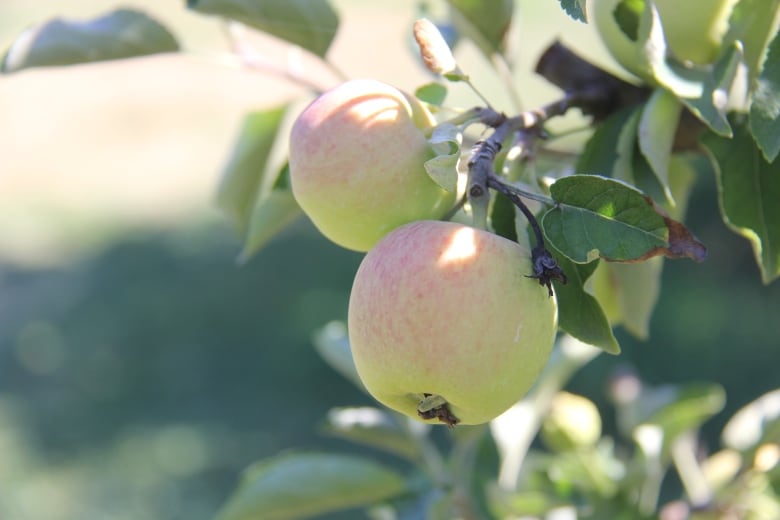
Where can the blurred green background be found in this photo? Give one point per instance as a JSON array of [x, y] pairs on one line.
[[141, 368]]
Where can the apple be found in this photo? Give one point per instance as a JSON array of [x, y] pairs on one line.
[[573, 422], [444, 323], [356, 163], [694, 30]]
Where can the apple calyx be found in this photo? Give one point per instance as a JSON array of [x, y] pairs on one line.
[[434, 406]]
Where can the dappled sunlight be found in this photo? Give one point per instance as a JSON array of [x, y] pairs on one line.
[[461, 247]]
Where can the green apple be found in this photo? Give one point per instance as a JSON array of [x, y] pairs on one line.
[[357, 156], [694, 30], [443, 316], [572, 422]]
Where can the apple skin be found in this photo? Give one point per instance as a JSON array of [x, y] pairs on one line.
[[693, 29], [446, 309], [356, 163]]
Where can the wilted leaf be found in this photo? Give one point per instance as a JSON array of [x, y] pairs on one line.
[[575, 9], [311, 24], [299, 485], [599, 217], [443, 168], [628, 292], [765, 107], [579, 313], [486, 22], [123, 33], [657, 128], [434, 51], [749, 191], [372, 427], [246, 176]]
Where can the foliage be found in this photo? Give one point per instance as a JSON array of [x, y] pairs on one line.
[[621, 199]]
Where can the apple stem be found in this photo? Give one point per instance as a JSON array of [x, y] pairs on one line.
[[546, 268]]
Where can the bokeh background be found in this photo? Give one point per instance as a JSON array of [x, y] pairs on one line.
[[142, 368]]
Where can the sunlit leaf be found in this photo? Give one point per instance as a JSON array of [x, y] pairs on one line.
[[599, 217], [752, 23], [299, 485], [657, 128], [311, 24], [486, 22], [754, 422], [123, 33], [431, 93], [246, 176], [575, 9], [372, 427], [710, 106], [765, 107], [749, 191], [703, 90], [443, 168]]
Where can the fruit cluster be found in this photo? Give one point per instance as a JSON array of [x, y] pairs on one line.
[[444, 323]]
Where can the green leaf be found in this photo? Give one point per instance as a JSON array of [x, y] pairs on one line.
[[245, 178], [610, 149], [443, 168], [579, 313], [749, 191], [600, 217], [432, 93], [123, 33], [752, 23], [634, 289], [311, 24], [575, 9], [688, 408], [657, 128], [765, 107], [628, 293], [372, 427], [297, 485], [710, 106], [485, 22], [332, 344], [502, 217], [703, 90], [271, 214]]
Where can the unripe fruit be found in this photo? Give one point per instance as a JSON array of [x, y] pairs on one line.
[[693, 29], [573, 422], [443, 312], [356, 163]]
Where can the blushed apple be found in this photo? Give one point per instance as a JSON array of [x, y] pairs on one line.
[[356, 163], [445, 325]]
